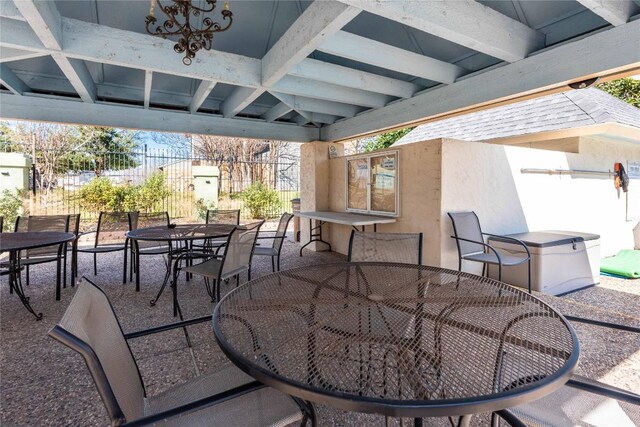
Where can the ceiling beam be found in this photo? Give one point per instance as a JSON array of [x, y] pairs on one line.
[[106, 45], [9, 10], [317, 105], [204, 89], [349, 77], [8, 54], [608, 51], [329, 92], [47, 109], [45, 20], [382, 55], [148, 83], [317, 23], [616, 12], [276, 112], [467, 23], [12, 82]]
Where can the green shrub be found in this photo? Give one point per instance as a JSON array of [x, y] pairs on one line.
[[100, 194], [11, 207], [261, 201], [202, 207]]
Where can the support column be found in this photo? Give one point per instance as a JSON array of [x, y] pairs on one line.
[[314, 185]]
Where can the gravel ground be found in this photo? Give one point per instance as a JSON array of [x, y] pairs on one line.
[[44, 383]]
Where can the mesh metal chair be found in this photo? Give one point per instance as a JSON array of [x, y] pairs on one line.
[[74, 227], [226, 396], [110, 236], [277, 241], [472, 247], [217, 216], [48, 253], [405, 248], [235, 260], [581, 402], [145, 220]]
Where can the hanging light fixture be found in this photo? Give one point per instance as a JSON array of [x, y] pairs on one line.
[[191, 39]]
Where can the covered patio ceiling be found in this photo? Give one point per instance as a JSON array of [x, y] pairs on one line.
[[304, 71]]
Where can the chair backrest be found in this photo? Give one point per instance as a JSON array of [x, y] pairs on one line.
[[43, 223], [1, 223], [148, 219], [90, 327], [216, 216], [405, 248], [281, 231], [467, 226], [74, 224], [239, 251], [112, 228]]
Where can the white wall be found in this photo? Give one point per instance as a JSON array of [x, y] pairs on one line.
[[487, 179]]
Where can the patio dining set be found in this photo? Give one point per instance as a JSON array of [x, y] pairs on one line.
[[380, 333]]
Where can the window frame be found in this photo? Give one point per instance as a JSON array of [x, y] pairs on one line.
[[368, 157]]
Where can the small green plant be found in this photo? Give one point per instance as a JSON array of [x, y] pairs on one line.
[[261, 201], [11, 207], [152, 192], [202, 207]]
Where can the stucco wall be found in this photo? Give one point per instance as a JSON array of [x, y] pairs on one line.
[[487, 179], [419, 198]]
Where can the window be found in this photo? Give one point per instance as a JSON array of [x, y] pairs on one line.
[[372, 183]]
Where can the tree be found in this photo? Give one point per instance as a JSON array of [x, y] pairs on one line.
[[627, 89], [385, 140], [99, 145]]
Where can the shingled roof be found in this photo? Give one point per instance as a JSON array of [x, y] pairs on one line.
[[566, 110]]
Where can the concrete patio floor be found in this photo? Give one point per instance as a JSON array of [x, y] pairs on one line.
[[44, 383]]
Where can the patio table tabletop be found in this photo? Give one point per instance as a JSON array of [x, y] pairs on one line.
[[396, 339], [16, 242]]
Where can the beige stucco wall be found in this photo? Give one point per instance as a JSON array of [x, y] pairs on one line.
[[439, 176], [487, 179], [419, 200]]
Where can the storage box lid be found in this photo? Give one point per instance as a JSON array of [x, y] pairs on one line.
[[547, 238]]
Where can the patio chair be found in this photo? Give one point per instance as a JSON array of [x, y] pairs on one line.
[[48, 253], [1, 223], [111, 236], [472, 247], [405, 248], [581, 401], [276, 244], [145, 220], [217, 216], [74, 227], [236, 259], [226, 396]]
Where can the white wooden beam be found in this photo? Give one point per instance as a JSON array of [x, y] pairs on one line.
[[616, 12], [8, 54], [344, 76], [317, 105], [276, 112], [99, 43], [12, 82], [609, 51], [464, 22], [239, 99], [316, 24], [47, 109], [148, 84], [204, 89], [46, 22], [382, 55], [329, 92]]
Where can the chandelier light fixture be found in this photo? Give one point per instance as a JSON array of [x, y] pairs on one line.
[[180, 13]]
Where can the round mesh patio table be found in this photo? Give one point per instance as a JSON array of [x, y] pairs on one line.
[[396, 339], [16, 242], [170, 235]]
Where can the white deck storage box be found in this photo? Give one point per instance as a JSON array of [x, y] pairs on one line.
[[561, 261]]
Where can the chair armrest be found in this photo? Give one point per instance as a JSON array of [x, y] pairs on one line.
[[593, 386], [520, 242], [166, 327], [197, 405], [483, 244]]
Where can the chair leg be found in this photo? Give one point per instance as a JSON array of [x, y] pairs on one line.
[[459, 264], [529, 267], [124, 266], [273, 264], [64, 267], [95, 264], [27, 274], [278, 263], [499, 272]]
